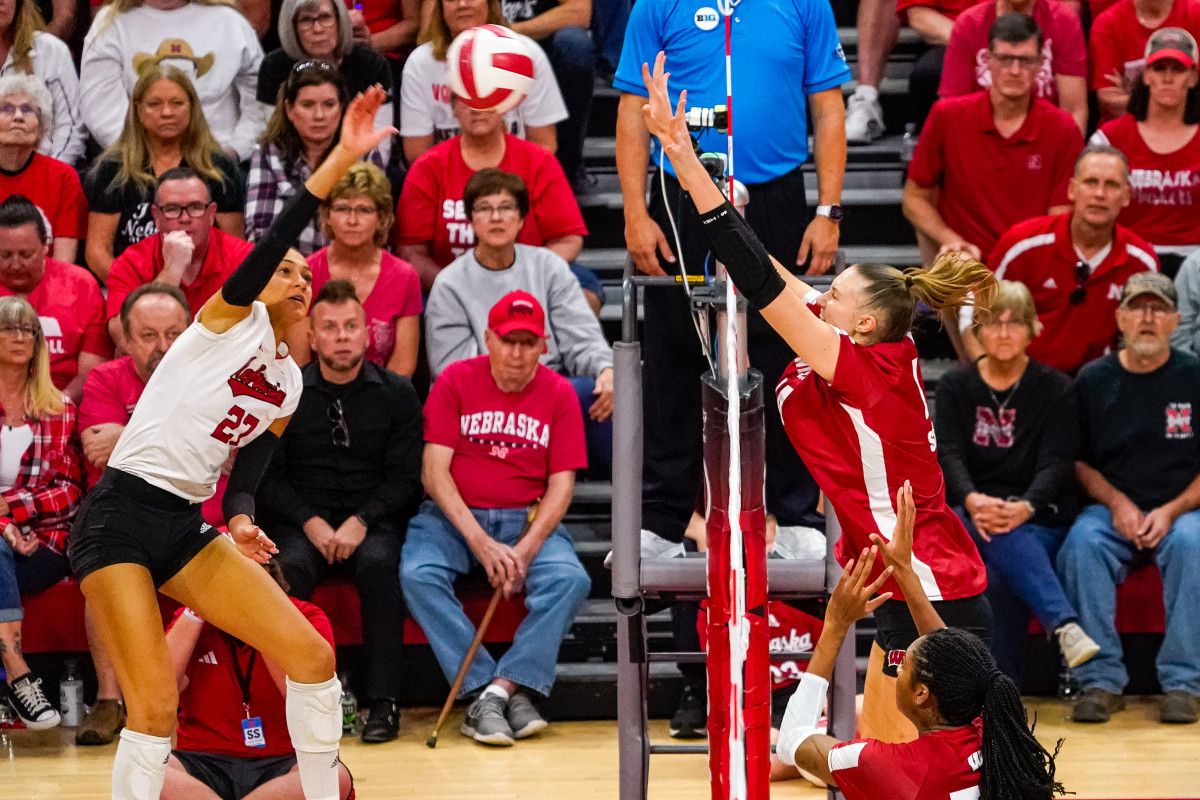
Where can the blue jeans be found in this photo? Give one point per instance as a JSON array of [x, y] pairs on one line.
[[435, 554], [573, 60], [599, 435], [1094, 559], [1021, 579], [26, 575]]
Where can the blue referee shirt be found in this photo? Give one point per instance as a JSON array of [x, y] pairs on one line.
[[783, 51]]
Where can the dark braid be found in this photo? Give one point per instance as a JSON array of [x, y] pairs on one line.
[[963, 678]]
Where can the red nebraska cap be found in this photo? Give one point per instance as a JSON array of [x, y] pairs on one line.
[[517, 311]]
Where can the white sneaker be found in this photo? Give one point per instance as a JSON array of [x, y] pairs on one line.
[[653, 546], [799, 543], [1076, 646], [864, 120]]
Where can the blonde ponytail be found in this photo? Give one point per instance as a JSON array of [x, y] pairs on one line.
[[952, 280]]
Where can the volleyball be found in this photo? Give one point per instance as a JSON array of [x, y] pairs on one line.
[[490, 68]]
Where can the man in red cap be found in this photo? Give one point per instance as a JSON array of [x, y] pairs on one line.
[[502, 432]]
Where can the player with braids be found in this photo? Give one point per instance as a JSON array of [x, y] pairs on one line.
[[974, 737], [853, 402]]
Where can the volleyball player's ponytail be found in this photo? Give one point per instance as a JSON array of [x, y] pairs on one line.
[[963, 678], [953, 279]]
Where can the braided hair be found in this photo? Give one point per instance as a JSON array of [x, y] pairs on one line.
[[963, 678]]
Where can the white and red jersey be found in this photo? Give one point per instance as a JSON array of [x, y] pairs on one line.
[[939, 765], [212, 392], [861, 436]]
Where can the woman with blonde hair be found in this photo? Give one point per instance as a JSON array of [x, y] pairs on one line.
[[164, 128], [210, 39], [40, 487], [853, 402], [27, 49], [356, 218], [425, 115]]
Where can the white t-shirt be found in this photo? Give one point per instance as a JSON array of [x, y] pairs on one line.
[[211, 393], [52, 65], [13, 444], [214, 45], [425, 97]]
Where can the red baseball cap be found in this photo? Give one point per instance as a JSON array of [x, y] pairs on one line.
[[1173, 43], [517, 311]]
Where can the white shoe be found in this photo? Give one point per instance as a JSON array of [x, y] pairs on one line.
[[653, 546], [864, 120], [1076, 646], [799, 543]]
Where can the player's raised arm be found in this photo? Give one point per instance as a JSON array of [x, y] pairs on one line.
[[359, 136], [897, 554]]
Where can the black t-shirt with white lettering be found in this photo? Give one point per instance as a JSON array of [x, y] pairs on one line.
[[1138, 430]]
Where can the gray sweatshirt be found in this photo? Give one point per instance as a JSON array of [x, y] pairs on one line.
[[1187, 286], [463, 293]]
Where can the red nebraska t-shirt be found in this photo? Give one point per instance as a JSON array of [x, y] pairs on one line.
[[140, 262], [110, 394], [431, 208], [71, 310], [947, 8], [210, 708], [977, 170], [939, 765], [861, 436], [54, 187], [1165, 205], [965, 67], [506, 445], [1118, 40]]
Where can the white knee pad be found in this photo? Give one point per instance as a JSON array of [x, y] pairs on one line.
[[801, 717], [140, 766], [314, 715]]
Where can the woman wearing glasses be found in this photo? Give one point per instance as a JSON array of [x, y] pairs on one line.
[[300, 134], [165, 128], [226, 384]]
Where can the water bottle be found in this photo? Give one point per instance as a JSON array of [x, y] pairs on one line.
[[910, 142], [349, 708], [70, 694]]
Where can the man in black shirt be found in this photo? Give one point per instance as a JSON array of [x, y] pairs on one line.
[[1139, 464], [343, 484]]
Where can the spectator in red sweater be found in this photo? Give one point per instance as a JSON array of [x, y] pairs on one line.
[[66, 297], [1158, 137], [1061, 77], [1117, 44], [187, 251]]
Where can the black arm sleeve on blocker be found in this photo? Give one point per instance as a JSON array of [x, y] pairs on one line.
[[248, 470], [254, 273], [736, 246]]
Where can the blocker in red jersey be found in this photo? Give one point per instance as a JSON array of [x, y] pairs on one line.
[[489, 68]]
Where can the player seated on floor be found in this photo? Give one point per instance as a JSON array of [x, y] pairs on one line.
[[973, 733], [233, 739]]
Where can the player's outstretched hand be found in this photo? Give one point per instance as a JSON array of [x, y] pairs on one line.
[[251, 541], [854, 597], [670, 128], [897, 553], [359, 134]]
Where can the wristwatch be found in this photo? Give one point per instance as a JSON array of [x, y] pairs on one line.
[[833, 212]]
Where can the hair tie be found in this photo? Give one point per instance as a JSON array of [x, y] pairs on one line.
[[908, 282]]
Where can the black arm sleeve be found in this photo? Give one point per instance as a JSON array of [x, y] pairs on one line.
[[253, 274], [248, 470], [276, 495], [736, 246]]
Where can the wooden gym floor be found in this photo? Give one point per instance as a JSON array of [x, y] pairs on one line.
[[1134, 756]]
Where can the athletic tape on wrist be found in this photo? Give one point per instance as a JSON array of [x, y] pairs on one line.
[[801, 717], [736, 246]]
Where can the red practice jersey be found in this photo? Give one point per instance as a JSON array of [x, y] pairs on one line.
[[939, 765], [861, 436]]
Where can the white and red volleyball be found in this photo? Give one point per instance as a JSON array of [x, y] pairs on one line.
[[490, 68]]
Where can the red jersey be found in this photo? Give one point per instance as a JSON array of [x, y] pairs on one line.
[[431, 206], [54, 187], [140, 262], [1040, 254], [947, 8], [975, 168], [506, 444], [110, 394], [1118, 40], [965, 68], [69, 305], [210, 708], [861, 436], [939, 765], [1166, 186]]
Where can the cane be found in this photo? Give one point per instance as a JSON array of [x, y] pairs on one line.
[[431, 742]]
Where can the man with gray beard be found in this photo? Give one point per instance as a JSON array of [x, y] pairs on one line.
[[1139, 463]]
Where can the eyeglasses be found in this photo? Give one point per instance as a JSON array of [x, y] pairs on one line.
[[504, 210], [1157, 310], [341, 431], [1024, 62], [1005, 325], [14, 329], [324, 20], [1083, 271], [11, 109], [345, 210], [193, 210]]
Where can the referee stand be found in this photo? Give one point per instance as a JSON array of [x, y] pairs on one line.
[[642, 586]]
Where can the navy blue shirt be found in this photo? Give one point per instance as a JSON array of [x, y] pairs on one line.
[[783, 51]]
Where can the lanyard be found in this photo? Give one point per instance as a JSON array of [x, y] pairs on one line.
[[243, 678]]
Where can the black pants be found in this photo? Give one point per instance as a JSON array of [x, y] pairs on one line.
[[924, 81], [672, 469], [375, 569]]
